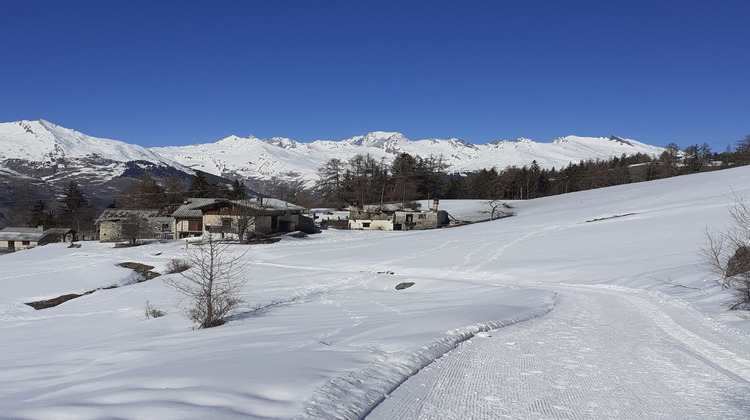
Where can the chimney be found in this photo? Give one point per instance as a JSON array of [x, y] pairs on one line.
[[40, 228], [434, 207]]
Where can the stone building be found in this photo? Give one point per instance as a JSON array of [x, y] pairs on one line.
[[109, 225], [385, 218]]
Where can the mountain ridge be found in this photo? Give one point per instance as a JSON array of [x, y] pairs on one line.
[[41, 143]]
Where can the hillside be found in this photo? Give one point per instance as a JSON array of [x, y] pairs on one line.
[[634, 327]]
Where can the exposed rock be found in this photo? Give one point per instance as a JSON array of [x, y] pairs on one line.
[[740, 262], [404, 285], [142, 269]]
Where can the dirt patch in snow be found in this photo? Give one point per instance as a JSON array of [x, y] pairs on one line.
[[610, 217], [51, 303], [144, 270]]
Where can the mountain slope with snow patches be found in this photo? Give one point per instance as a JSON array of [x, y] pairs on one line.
[[42, 141]]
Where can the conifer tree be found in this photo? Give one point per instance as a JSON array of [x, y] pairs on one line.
[[200, 187], [75, 209]]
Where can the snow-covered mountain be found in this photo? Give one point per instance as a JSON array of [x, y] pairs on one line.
[[47, 152], [38, 159], [255, 158], [44, 142]]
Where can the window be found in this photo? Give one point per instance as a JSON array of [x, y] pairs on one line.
[[26, 243], [365, 224], [421, 216]]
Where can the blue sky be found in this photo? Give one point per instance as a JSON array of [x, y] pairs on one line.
[[159, 73]]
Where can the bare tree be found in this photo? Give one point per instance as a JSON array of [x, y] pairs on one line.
[[135, 227], [245, 218], [288, 187], [213, 285], [495, 211], [726, 253]]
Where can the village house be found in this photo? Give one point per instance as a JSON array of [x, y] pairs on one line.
[[232, 217], [109, 225], [15, 239], [188, 218], [398, 218]]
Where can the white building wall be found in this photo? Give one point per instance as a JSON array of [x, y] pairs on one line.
[[371, 224]]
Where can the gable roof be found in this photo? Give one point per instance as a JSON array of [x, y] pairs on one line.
[[122, 214], [30, 234], [264, 205], [191, 208]]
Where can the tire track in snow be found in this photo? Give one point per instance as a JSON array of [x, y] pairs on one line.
[[599, 354], [370, 385]]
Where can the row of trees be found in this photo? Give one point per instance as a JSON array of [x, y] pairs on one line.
[[74, 210], [364, 179], [147, 193]]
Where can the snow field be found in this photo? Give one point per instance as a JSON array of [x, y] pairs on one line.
[[325, 334], [601, 353]]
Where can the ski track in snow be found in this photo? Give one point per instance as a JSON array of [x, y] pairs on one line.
[[601, 353]]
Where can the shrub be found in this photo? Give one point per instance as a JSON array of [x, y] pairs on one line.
[[177, 265], [152, 311], [726, 254]]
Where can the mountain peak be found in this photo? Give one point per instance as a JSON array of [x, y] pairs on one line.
[[282, 142], [379, 139]]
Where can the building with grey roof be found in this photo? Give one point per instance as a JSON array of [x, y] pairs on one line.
[[18, 238]]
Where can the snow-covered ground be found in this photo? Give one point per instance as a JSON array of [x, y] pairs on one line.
[[590, 305]]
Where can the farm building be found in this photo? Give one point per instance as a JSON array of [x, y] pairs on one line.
[[234, 217], [385, 218], [14, 238]]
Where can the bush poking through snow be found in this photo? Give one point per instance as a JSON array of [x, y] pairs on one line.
[[152, 311], [177, 265], [727, 256], [213, 284]]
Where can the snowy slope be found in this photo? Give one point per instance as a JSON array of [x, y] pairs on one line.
[[42, 141], [326, 335]]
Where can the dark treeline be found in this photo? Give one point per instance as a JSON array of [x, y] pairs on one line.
[[365, 180], [77, 211]]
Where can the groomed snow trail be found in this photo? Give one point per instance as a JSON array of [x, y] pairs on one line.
[[601, 353]]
